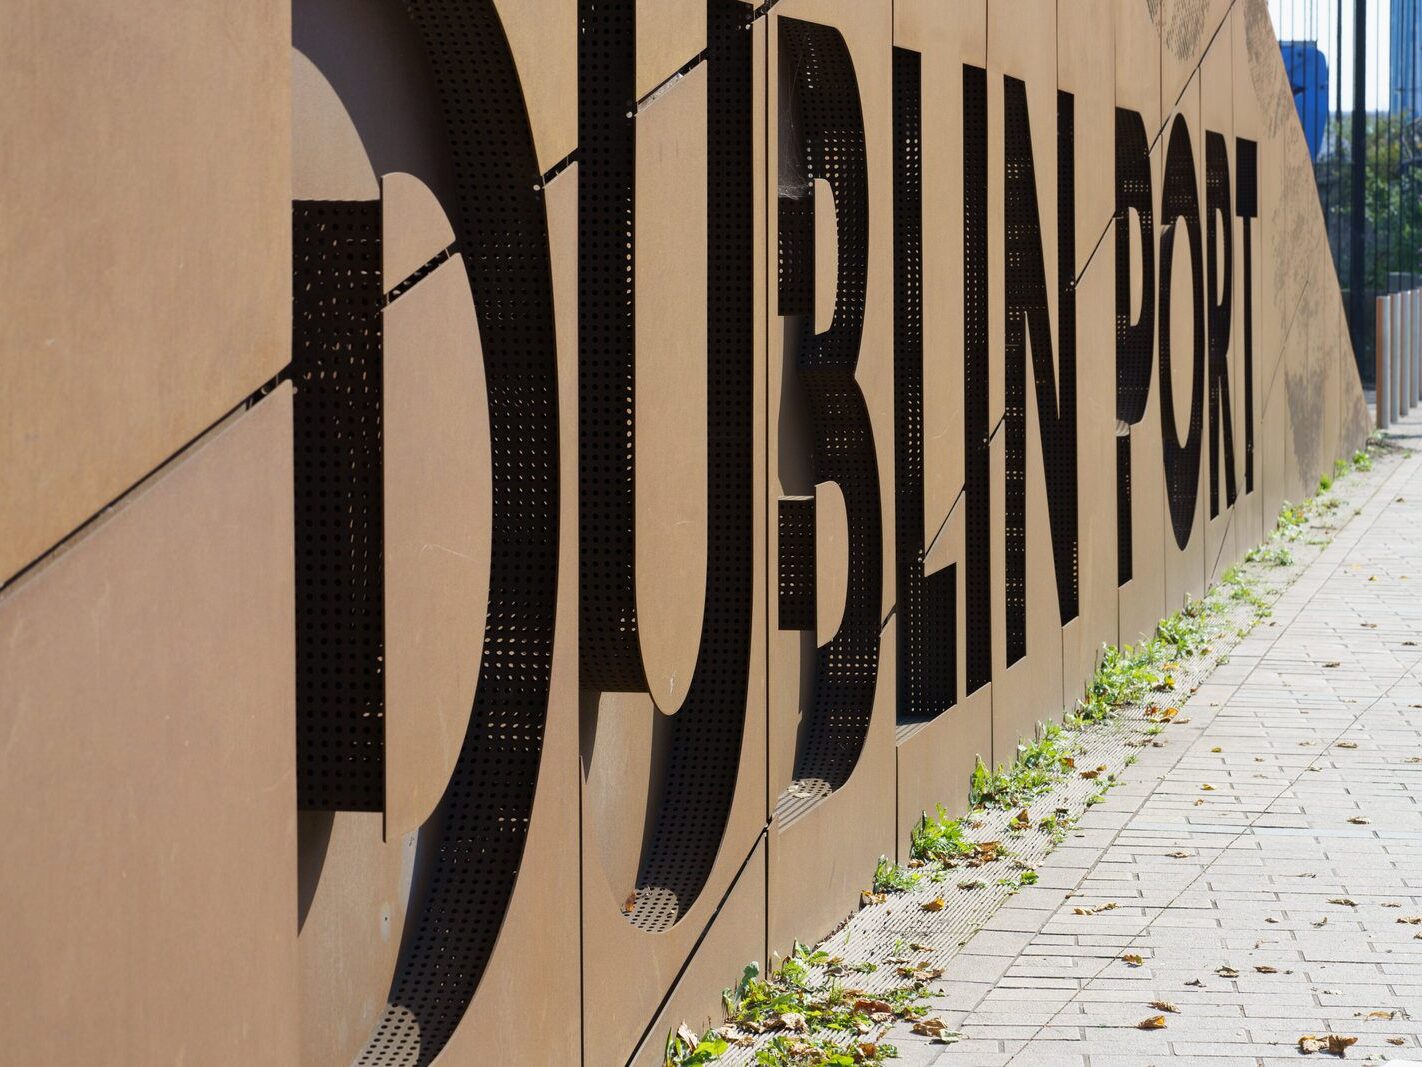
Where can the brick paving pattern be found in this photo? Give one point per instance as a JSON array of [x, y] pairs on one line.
[[1310, 741]]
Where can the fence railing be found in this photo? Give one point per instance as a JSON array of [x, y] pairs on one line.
[[1399, 355]]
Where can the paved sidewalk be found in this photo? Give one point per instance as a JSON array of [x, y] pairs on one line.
[[1262, 865]]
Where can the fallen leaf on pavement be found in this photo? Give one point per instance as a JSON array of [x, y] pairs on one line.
[[936, 904], [1320, 922], [1155, 1022], [1093, 911], [1208, 787], [867, 898], [1397, 1041], [1133, 958], [1264, 968], [936, 1029], [1217, 749], [872, 1007], [1178, 855], [1164, 1005], [1358, 820], [1381, 1015], [1411, 920], [921, 974], [1226, 971], [1196, 982], [1347, 744], [1334, 1044], [1347, 902], [630, 904]]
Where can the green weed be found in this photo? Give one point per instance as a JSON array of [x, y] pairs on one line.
[[939, 839], [889, 877]]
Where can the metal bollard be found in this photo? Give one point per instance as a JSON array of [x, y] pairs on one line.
[[1409, 331], [1380, 361], [1417, 346], [1394, 357], [1404, 357]]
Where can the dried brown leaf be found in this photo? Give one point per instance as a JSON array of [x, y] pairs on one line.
[[1155, 1022], [1178, 855], [1264, 968], [1347, 902], [936, 904], [1226, 971], [1133, 958], [1164, 1005], [1110, 906], [1334, 1044]]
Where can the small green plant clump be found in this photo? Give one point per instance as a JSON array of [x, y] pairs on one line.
[[813, 1018], [799, 1051], [889, 877], [1038, 764], [1362, 460], [1278, 555], [940, 839], [1125, 675], [1184, 633]]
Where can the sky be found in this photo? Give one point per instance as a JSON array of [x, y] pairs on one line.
[[1302, 20]]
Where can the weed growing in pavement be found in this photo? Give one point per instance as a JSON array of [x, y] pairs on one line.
[[1038, 765], [815, 1017], [940, 839], [1278, 555], [1124, 675], [889, 877], [1362, 460]]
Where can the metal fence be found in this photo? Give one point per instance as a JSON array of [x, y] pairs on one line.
[[1355, 67]]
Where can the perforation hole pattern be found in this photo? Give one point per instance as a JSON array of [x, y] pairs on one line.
[[481, 825], [340, 590], [1135, 340], [694, 796], [927, 641], [797, 563], [1180, 200], [1028, 312], [1246, 206], [825, 127], [977, 452], [1219, 221]]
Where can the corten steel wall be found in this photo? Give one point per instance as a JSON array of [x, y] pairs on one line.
[[507, 509]]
